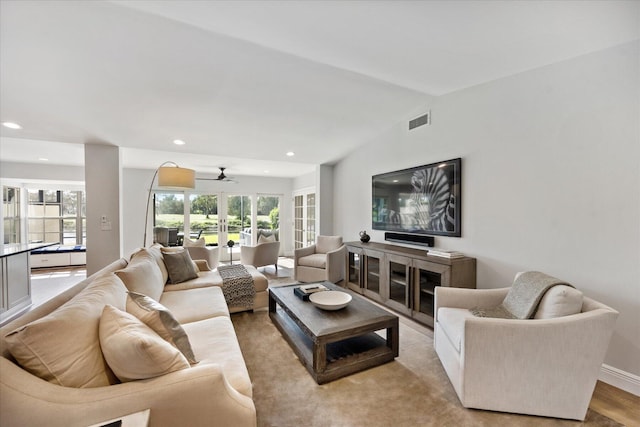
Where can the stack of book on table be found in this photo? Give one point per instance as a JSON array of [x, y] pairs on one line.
[[445, 253], [303, 291]]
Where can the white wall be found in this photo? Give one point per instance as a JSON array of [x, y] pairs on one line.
[[551, 179]]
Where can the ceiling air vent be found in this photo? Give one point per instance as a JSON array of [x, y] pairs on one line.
[[420, 121]]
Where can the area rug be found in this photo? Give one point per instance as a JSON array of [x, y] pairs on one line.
[[411, 391]]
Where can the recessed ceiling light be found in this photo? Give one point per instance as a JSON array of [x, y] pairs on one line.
[[43, 159], [179, 142], [266, 171], [11, 125], [291, 153]]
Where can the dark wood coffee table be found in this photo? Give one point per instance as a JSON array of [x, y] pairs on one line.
[[332, 344]]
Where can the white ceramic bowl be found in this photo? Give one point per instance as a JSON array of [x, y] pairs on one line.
[[330, 300]]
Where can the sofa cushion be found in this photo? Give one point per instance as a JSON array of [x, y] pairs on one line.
[[214, 341], [213, 278], [314, 260], [159, 318], [451, 321], [558, 301], [190, 305], [63, 347], [180, 266], [133, 350], [143, 275], [326, 244], [199, 243]]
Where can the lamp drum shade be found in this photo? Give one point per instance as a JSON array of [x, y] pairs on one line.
[[176, 177]]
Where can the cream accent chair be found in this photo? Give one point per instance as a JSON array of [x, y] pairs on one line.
[[323, 261], [211, 254], [260, 255], [542, 366]]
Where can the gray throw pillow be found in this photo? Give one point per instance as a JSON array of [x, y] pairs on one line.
[[180, 266]]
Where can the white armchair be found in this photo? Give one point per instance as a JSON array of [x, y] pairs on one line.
[[546, 367], [260, 255], [323, 261]]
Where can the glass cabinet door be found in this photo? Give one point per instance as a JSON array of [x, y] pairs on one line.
[[428, 276], [399, 281], [374, 274], [354, 276]]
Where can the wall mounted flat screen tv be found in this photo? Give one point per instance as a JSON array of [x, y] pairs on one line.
[[424, 199]]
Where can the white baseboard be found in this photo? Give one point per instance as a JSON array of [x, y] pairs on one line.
[[618, 378]]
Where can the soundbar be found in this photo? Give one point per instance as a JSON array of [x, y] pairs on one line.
[[416, 239]]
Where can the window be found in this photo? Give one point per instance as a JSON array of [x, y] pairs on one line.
[[268, 214], [56, 216], [11, 214], [203, 217], [169, 213]]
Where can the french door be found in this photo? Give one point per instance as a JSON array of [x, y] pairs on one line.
[[304, 219]]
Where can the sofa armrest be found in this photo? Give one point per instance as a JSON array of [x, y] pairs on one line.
[[468, 298], [336, 264], [198, 396]]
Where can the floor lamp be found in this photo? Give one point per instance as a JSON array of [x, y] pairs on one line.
[[172, 176]]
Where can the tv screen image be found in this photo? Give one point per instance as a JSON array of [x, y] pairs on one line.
[[423, 199]]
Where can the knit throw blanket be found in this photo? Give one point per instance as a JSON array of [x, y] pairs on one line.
[[237, 286], [523, 298]]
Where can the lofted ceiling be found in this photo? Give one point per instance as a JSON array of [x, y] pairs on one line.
[[244, 82]]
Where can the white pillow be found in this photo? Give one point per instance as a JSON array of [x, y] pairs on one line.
[[266, 239], [133, 350], [200, 243], [558, 301], [143, 275]]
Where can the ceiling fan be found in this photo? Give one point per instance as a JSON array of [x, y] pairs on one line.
[[221, 177]]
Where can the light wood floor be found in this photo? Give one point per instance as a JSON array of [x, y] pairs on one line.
[[616, 404], [610, 401]]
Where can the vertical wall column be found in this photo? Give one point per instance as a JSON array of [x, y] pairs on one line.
[[324, 200], [103, 183]]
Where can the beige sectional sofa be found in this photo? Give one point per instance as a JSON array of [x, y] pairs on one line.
[[60, 368]]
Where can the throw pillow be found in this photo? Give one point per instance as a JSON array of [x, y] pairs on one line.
[[63, 347], [143, 275], [200, 243], [560, 300], [155, 251], [159, 318], [133, 350], [180, 266], [266, 239]]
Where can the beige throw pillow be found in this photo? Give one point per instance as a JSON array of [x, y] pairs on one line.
[[157, 317], [180, 266], [143, 276], [133, 350], [200, 243], [266, 239], [63, 347]]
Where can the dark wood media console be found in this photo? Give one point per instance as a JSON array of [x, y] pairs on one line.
[[404, 279]]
